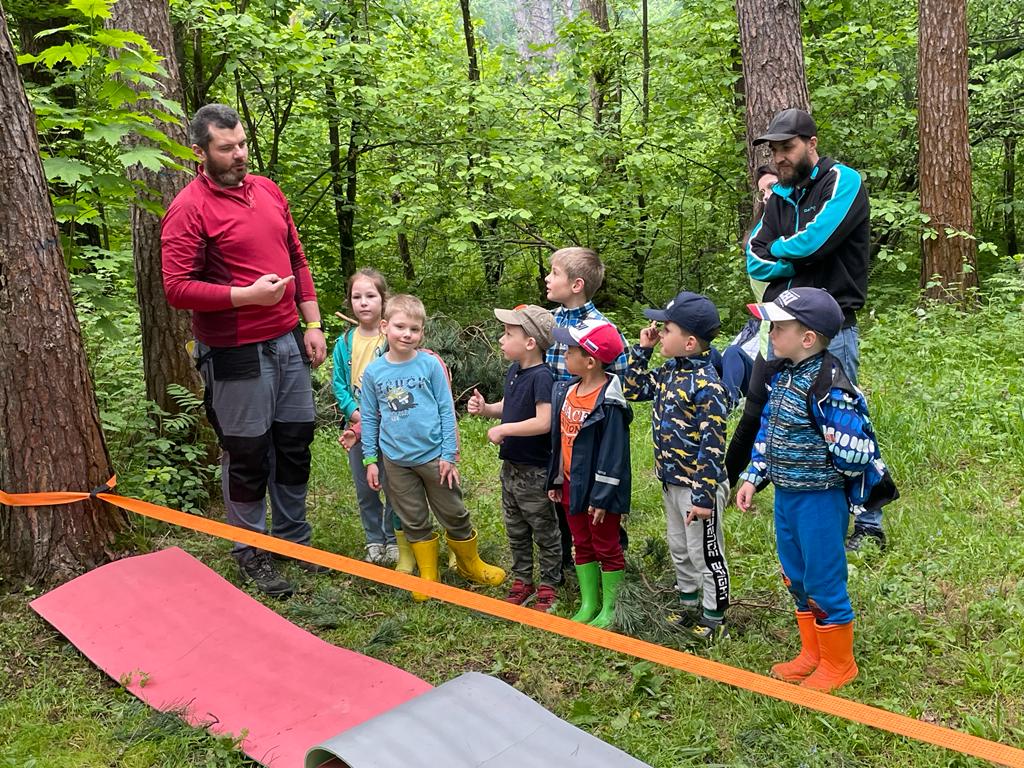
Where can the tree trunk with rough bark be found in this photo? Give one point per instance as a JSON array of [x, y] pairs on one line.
[[771, 43], [50, 435], [948, 259], [165, 331]]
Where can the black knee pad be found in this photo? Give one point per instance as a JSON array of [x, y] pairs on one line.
[[248, 466], [291, 451]]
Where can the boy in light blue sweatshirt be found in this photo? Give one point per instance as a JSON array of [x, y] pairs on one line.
[[408, 422]]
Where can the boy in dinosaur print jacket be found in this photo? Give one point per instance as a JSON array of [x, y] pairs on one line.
[[688, 425]]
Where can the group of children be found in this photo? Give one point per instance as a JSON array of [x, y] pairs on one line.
[[564, 443]]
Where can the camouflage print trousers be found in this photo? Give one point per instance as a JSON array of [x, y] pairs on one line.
[[530, 517]]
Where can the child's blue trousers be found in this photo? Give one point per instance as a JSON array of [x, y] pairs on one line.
[[810, 528]]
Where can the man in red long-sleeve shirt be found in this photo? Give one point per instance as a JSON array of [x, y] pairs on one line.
[[232, 255]]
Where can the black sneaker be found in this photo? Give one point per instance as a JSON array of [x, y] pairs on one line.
[[859, 535], [302, 565], [684, 618], [707, 631], [259, 568]]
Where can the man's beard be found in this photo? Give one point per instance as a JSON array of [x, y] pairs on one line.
[[800, 172], [226, 176]]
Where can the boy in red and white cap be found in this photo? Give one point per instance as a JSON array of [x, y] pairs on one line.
[[589, 473]]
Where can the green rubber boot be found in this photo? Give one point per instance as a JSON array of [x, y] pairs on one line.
[[609, 592], [589, 576]]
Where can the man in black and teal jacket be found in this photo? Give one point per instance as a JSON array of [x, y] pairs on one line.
[[814, 232]]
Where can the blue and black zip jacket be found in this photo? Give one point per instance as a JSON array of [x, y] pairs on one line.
[[816, 433], [817, 236], [600, 474], [687, 419]]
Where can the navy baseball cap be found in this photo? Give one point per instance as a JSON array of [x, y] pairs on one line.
[[787, 124], [813, 307], [690, 311]]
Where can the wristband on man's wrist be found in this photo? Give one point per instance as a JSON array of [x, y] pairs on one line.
[[369, 460], [314, 324]]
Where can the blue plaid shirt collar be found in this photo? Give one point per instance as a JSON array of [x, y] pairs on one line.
[[566, 317]]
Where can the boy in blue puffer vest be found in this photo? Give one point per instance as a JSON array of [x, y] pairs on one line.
[[817, 445]]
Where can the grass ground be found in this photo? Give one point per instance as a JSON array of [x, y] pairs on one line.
[[939, 632]]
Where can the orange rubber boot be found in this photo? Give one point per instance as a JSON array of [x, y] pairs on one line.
[[807, 660], [837, 667]]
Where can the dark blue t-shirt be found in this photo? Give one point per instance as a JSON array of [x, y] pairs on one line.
[[524, 388]]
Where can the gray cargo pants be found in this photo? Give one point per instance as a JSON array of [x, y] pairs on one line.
[[259, 399]]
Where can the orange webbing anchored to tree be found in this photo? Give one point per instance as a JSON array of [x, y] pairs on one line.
[[713, 670]]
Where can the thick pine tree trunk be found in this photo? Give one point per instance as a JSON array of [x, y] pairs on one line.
[[165, 331], [771, 43], [947, 262], [50, 436]]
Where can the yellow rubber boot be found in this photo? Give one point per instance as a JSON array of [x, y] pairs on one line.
[[452, 560], [426, 553], [470, 566], [837, 667], [406, 559], [807, 660]]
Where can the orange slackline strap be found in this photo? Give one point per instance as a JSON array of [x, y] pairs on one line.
[[713, 670]]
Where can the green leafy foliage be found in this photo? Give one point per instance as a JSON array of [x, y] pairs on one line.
[[110, 76]]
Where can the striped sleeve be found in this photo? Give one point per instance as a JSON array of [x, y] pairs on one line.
[[836, 217]]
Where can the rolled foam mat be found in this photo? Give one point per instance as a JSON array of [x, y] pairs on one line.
[[473, 721], [183, 639]]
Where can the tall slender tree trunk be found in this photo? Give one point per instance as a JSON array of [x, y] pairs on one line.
[[343, 181], [771, 44], [641, 242], [600, 76], [50, 435], [165, 331], [949, 258], [1010, 194], [486, 235], [404, 253]]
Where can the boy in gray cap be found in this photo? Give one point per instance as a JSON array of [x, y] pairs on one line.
[[688, 425], [525, 448]]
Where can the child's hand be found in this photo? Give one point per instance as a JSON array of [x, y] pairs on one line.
[[555, 494], [476, 403], [745, 495], [373, 477], [698, 513], [649, 336], [596, 515], [348, 438], [496, 434], [449, 473]]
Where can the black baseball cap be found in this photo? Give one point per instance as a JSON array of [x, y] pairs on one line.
[[691, 311], [787, 124], [813, 307]]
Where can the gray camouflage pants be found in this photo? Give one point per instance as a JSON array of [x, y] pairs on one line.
[[530, 517]]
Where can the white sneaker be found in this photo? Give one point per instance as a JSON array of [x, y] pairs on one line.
[[374, 553], [390, 555]]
